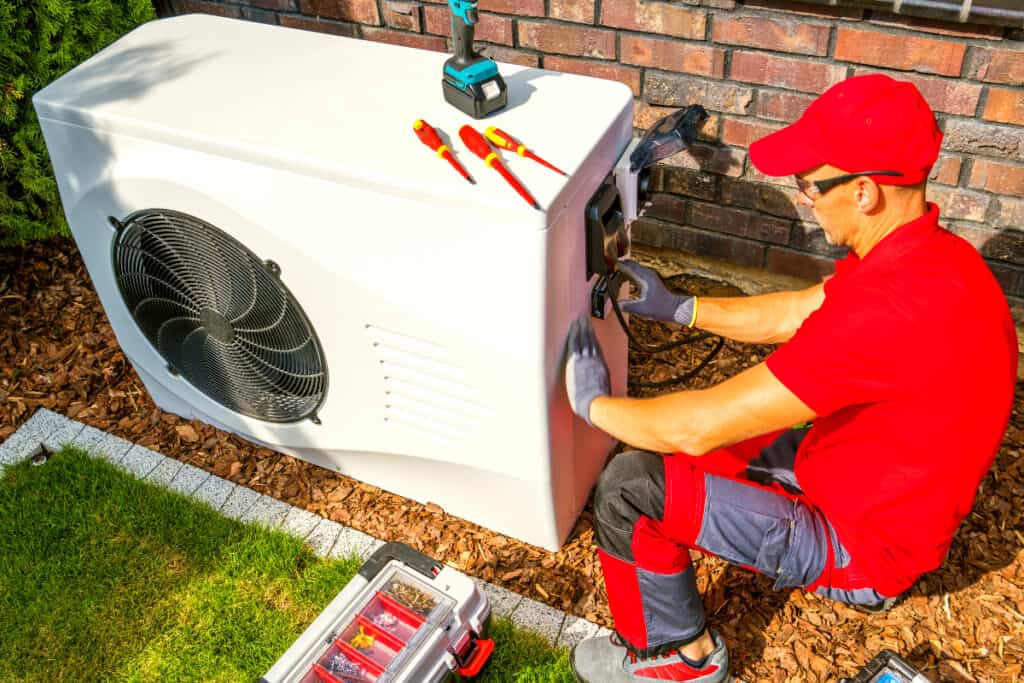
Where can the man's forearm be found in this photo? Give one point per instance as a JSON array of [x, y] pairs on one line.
[[762, 319]]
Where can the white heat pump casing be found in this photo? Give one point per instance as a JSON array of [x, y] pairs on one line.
[[441, 307]]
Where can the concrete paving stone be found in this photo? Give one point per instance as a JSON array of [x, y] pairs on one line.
[[323, 537], [603, 632], [214, 491], [239, 502], [503, 602], [29, 437], [165, 472], [267, 511], [300, 522], [538, 617], [353, 542], [575, 630], [188, 479], [140, 461], [60, 430], [103, 445]]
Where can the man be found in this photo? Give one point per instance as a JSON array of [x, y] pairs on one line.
[[904, 360]]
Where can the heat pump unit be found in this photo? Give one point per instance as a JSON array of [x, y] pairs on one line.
[[281, 257]]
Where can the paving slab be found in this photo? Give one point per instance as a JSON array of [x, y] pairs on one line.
[[300, 523], [323, 537], [100, 444], [269, 512], [503, 602], [239, 502], [45, 429], [140, 461], [165, 472], [353, 542], [188, 479], [575, 630], [214, 491], [538, 617]]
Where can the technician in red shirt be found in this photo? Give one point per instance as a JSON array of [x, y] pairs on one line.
[[904, 360]]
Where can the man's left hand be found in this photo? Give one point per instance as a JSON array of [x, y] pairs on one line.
[[586, 374]]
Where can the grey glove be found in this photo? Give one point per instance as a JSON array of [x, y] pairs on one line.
[[586, 374], [655, 300]]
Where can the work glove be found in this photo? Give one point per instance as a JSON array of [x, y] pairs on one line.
[[586, 374], [655, 300]]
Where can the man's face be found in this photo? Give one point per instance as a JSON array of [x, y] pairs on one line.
[[830, 208]]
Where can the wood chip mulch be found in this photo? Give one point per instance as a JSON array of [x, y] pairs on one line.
[[964, 622]]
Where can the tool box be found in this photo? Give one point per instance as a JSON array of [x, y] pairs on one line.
[[888, 667], [404, 618]]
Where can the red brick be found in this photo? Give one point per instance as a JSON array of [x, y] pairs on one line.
[[279, 5], [645, 116], [785, 72], [944, 28], [739, 222], [655, 17], [581, 11], [666, 207], [994, 176], [493, 28], [569, 40], [958, 203], [742, 133], [611, 72], [711, 159], [359, 11], [1008, 213], [708, 244], [1005, 106], [946, 170], [678, 90], [942, 94], [402, 15], [907, 52], [673, 55], [417, 40], [798, 264], [772, 34], [996, 66], [806, 9], [320, 25], [507, 54], [209, 8], [782, 106], [530, 8]]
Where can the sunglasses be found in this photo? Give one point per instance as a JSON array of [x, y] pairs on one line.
[[813, 189]]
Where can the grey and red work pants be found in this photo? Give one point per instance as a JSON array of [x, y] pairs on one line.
[[742, 504]]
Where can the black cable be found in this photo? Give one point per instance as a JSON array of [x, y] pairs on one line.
[[661, 348]]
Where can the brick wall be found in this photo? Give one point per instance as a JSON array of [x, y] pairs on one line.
[[755, 65]]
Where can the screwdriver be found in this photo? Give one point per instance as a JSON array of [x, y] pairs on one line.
[[431, 139], [506, 141], [477, 144]]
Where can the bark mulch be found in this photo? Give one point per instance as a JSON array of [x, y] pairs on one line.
[[963, 622]]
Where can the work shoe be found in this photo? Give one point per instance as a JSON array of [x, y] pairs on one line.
[[607, 660]]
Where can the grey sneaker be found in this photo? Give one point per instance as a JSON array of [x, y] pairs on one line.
[[606, 660]]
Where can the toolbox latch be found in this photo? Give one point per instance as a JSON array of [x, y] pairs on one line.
[[479, 652]]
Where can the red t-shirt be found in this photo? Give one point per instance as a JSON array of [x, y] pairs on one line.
[[910, 364]]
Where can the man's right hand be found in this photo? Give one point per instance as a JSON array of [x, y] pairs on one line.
[[655, 300]]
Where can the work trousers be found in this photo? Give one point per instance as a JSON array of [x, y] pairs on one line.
[[742, 504]]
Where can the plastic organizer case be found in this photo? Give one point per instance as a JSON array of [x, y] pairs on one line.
[[403, 618]]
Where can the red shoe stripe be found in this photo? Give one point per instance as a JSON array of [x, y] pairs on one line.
[[676, 671]]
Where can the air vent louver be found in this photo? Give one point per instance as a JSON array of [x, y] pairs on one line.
[[219, 316]]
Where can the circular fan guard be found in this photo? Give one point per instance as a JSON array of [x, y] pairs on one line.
[[219, 316]]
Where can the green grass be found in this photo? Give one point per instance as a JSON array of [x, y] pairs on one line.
[[103, 577]]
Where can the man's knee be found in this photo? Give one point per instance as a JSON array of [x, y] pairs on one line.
[[633, 485]]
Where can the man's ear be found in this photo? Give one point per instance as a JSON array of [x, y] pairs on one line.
[[867, 195]]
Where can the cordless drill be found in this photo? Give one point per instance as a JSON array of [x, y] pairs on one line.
[[471, 81]]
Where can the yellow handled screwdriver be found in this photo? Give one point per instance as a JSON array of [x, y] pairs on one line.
[[506, 141]]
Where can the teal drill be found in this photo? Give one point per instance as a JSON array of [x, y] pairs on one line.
[[471, 81]]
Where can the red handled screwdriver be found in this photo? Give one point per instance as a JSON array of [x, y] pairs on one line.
[[506, 141], [477, 144], [432, 140]]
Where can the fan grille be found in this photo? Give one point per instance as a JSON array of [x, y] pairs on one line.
[[219, 316]]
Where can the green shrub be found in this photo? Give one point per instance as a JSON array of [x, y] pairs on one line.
[[39, 41]]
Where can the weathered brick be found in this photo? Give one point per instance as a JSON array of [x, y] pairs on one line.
[[944, 28], [684, 182], [492, 28], [769, 199], [530, 8], [645, 116], [711, 159], [359, 11], [671, 236], [678, 91], [1005, 106], [335, 28], [785, 72], [961, 204], [581, 11], [946, 170], [655, 17], [755, 176], [782, 105], [798, 264], [806, 9], [277, 5], [402, 15], [509, 55], [566, 39], [611, 72], [993, 176], [975, 137], [810, 237], [261, 15], [996, 66], [784, 35], [908, 52], [739, 222], [942, 94], [208, 8], [741, 132], [999, 245], [437, 20], [673, 55], [1009, 277], [666, 207], [1007, 212], [417, 40]]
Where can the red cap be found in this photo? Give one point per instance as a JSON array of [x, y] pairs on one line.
[[865, 123]]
